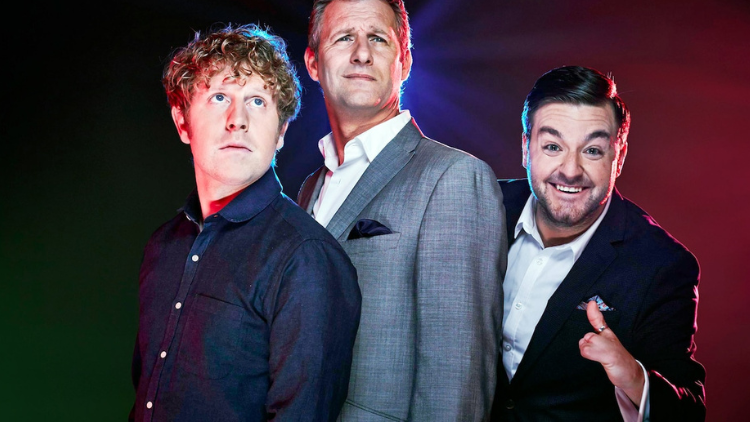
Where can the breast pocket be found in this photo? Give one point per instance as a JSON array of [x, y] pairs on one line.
[[210, 338], [369, 244]]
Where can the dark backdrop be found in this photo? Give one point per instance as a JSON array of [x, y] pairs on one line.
[[92, 163]]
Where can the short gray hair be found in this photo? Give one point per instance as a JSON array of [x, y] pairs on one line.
[[314, 28]]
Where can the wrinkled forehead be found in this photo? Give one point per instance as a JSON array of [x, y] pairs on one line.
[[575, 117], [350, 15]]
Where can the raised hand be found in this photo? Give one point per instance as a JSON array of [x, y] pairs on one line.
[[604, 347]]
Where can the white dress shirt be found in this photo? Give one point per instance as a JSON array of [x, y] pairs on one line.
[[358, 154], [534, 274]]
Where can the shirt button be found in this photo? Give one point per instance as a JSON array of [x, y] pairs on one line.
[[507, 347], [178, 305], [163, 354], [509, 404], [149, 405], [519, 305], [195, 258], [539, 261]]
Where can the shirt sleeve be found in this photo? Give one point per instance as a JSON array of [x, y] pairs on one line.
[[314, 321], [135, 374], [627, 408]]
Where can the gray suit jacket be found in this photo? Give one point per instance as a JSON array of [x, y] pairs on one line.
[[429, 335]]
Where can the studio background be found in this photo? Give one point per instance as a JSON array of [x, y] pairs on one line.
[[92, 163]]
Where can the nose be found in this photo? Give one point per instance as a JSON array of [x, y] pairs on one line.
[[237, 118], [362, 54], [570, 167]]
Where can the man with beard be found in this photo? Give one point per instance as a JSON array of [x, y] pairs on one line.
[[597, 294]]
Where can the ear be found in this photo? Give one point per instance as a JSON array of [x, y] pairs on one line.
[[406, 65], [525, 151], [312, 64], [182, 126], [621, 157], [282, 132]]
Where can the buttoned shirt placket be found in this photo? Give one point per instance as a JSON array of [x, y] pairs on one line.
[[197, 251]]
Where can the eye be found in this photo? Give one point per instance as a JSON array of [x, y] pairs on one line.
[[595, 151], [378, 39], [345, 38], [257, 102], [219, 98], [552, 148]]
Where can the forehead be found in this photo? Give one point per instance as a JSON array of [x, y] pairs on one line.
[[575, 118], [358, 14], [226, 78]]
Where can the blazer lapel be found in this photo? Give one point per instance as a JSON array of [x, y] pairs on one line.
[[596, 257], [515, 194], [381, 170], [310, 189]]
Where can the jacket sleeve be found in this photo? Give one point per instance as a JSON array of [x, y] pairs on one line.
[[461, 261], [666, 345], [314, 321]]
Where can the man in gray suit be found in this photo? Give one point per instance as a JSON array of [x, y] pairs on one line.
[[423, 224]]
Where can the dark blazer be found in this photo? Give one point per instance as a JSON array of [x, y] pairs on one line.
[[425, 229], [651, 281]]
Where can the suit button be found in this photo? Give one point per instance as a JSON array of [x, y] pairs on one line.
[[509, 404]]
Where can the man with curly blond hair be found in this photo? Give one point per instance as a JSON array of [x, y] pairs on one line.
[[248, 307]]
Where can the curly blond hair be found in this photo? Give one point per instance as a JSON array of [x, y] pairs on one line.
[[246, 49]]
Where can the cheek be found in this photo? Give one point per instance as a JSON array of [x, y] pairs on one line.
[[602, 174], [541, 165]]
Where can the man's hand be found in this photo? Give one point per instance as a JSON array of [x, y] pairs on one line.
[[603, 346]]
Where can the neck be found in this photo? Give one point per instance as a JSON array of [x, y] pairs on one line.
[[556, 236], [214, 197], [348, 124]]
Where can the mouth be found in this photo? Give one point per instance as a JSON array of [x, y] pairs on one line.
[[235, 147], [359, 76], [567, 189]]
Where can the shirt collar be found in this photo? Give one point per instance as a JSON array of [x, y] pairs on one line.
[[527, 223], [371, 141], [251, 201]]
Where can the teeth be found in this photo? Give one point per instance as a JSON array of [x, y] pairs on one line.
[[568, 189]]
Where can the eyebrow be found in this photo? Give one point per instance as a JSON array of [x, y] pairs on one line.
[[591, 136], [379, 31], [350, 30], [551, 131], [598, 134], [342, 31]]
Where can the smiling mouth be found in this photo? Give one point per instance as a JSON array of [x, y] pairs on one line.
[[567, 189]]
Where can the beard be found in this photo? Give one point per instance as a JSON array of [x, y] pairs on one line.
[[577, 212]]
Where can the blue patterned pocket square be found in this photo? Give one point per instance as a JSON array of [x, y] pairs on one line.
[[599, 302], [367, 228]]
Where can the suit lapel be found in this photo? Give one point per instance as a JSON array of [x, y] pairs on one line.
[[310, 190], [515, 194], [383, 168], [596, 257]]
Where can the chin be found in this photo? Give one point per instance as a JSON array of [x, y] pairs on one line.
[[567, 214]]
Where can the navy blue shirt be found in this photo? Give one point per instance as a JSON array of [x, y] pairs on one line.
[[251, 318]]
